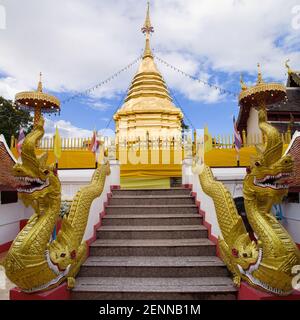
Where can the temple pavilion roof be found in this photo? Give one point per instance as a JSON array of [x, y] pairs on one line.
[[7, 161], [294, 151], [280, 114]]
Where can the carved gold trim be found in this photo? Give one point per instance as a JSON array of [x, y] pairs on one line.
[[260, 88], [39, 97]]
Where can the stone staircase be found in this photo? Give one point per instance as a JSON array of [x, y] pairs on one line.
[[152, 245]]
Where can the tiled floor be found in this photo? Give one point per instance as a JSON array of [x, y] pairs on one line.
[[5, 284]]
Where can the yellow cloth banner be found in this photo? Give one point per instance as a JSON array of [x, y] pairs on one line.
[[145, 183], [140, 170], [207, 140], [57, 145]]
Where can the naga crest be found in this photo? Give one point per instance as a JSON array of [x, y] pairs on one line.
[[266, 258], [36, 261], [36, 179], [268, 175]]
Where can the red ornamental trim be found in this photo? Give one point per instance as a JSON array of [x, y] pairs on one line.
[[235, 253], [73, 254], [147, 29]]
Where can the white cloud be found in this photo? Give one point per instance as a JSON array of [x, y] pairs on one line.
[[97, 104], [78, 43], [66, 129], [2, 18], [191, 89], [10, 86], [106, 133]]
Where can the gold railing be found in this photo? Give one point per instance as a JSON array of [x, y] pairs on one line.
[[217, 142], [227, 141], [79, 144], [66, 143]]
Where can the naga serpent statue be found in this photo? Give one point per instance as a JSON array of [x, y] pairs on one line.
[[34, 262], [265, 262]]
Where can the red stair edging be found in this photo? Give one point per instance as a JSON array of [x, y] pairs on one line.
[[59, 293], [101, 216], [202, 213], [246, 292]]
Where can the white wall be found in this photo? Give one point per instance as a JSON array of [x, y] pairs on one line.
[[10, 216], [231, 177], [291, 221], [71, 180], [252, 123]]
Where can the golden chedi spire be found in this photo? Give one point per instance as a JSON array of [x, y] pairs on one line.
[[147, 29], [148, 106], [148, 80]]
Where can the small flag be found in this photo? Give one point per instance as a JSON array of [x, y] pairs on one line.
[[57, 145], [21, 139], [237, 137], [94, 147]]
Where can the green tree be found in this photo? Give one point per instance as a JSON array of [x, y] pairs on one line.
[[184, 126], [11, 119]]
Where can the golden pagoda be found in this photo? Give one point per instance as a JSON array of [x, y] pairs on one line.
[[148, 109]]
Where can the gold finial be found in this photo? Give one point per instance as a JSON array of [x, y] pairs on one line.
[[40, 85], [147, 25], [259, 78], [243, 85], [147, 29], [288, 67]]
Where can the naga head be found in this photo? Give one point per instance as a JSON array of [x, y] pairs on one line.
[[245, 252], [63, 250], [242, 250], [270, 171], [36, 179]]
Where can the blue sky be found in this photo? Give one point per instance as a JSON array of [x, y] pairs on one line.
[[77, 44]]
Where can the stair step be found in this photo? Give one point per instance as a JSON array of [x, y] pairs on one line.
[[152, 200], [161, 247], [152, 246], [151, 219], [198, 266], [150, 209], [152, 232], [172, 191], [107, 288]]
